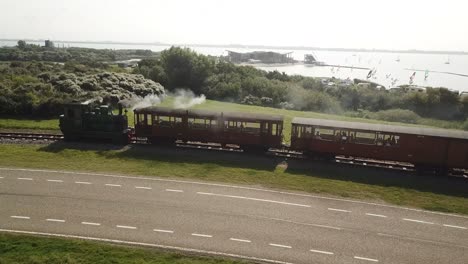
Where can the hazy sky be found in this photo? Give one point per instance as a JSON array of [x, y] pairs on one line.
[[395, 24]]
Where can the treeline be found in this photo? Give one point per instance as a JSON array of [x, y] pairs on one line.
[[40, 88], [86, 56], [221, 80]]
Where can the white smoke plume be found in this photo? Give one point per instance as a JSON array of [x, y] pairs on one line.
[[140, 102], [97, 99], [185, 99]]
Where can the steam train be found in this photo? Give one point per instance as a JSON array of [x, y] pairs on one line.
[[428, 149]]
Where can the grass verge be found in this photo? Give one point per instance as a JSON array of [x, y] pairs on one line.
[[38, 250], [427, 192]]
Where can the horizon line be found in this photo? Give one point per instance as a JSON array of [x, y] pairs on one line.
[[291, 47]]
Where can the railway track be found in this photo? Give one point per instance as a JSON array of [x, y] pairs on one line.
[[30, 136], [282, 153]]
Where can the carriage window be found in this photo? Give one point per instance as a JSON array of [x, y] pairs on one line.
[[149, 120], [365, 138], [250, 127], [387, 140], [324, 133]]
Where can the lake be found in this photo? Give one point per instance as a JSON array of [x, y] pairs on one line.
[[386, 65]]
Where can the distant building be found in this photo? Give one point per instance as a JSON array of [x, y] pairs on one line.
[[260, 57], [409, 88], [312, 59], [49, 44]]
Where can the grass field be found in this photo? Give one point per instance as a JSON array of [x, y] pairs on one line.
[[429, 192], [43, 250]]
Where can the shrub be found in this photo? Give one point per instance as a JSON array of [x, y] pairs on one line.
[[397, 115]]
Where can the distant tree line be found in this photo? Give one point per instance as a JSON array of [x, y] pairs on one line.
[[221, 80]]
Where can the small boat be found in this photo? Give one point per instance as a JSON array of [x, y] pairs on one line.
[[448, 60], [398, 59]]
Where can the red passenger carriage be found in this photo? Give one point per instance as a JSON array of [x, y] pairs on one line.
[[247, 130], [427, 148]]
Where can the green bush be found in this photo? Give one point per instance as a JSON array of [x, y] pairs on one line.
[[397, 115]]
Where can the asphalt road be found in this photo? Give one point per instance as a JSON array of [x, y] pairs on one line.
[[226, 220]]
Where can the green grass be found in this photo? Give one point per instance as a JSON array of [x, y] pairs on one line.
[[43, 250], [32, 124], [429, 192]]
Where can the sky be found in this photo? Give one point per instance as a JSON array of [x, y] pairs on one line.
[[393, 24]]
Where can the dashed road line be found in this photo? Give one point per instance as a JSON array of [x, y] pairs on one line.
[[20, 217], [143, 187], [253, 199], [240, 240], [376, 215], [368, 259], [201, 235], [454, 226], [81, 182], [25, 179], [54, 180], [1, 177], [113, 185], [321, 252], [339, 210], [417, 221], [55, 220], [163, 231], [126, 227], [91, 223], [279, 245], [174, 190], [234, 187]]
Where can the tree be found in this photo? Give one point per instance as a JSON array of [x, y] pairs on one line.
[[21, 44]]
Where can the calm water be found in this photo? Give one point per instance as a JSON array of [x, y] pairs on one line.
[[387, 68]]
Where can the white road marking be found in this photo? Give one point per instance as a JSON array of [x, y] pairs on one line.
[[80, 182], [1, 177], [424, 240], [279, 245], [368, 259], [54, 180], [298, 223], [133, 243], [126, 227], [417, 221], [25, 179], [253, 199], [173, 190], [376, 215], [240, 240], [234, 187], [55, 220], [322, 252], [201, 235], [91, 223], [454, 226], [113, 185], [20, 217], [163, 231], [339, 210], [143, 187]]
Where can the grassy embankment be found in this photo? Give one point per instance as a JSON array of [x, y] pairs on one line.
[[41, 250], [430, 193]]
